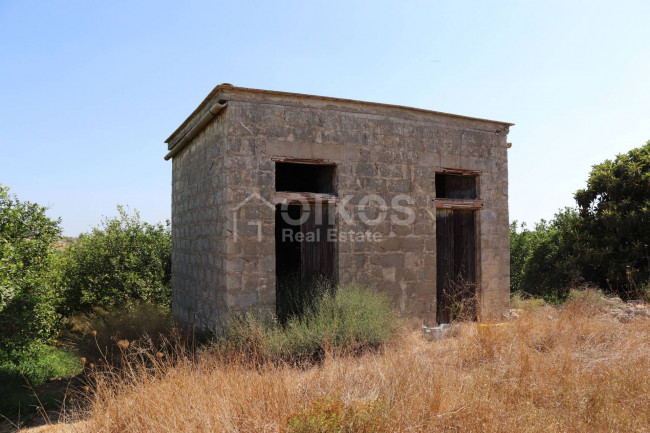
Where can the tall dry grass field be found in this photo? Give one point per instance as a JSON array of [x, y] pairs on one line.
[[572, 369]]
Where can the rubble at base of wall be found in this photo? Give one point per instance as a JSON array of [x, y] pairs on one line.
[[444, 330], [632, 310]]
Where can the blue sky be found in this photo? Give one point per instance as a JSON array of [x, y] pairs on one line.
[[90, 90]]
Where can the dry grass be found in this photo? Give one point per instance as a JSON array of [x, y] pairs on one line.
[[573, 369]]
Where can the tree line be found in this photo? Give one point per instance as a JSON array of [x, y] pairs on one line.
[[122, 262], [604, 241]]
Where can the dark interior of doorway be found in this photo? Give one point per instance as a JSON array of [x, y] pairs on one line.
[[456, 264], [456, 186], [305, 257], [456, 295]]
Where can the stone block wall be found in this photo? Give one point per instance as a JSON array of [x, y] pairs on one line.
[[223, 184], [199, 228]]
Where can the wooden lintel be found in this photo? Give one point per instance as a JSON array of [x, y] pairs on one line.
[[314, 161], [457, 171], [449, 203], [281, 197]]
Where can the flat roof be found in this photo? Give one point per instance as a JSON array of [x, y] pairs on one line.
[[226, 90]]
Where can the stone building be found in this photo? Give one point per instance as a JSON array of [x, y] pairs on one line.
[[271, 187]]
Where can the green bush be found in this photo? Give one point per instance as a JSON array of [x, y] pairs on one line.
[[352, 318], [543, 261], [124, 261], [22, 372], [332, 415], [28, 299], [39, 363]]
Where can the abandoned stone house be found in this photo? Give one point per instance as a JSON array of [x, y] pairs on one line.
[[270, 187]]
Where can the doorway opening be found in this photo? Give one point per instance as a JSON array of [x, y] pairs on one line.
[[456, 296], [456, 260], [306, 255]]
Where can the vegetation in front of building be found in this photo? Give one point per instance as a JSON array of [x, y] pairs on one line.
[[350, 318], [574, 367]]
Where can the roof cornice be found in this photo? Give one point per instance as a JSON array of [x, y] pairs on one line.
[[227, 92]]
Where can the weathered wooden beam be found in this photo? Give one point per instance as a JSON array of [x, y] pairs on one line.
[[282, 197], [450, 203]]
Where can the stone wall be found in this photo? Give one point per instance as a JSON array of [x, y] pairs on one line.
[[383, 151], [199, 228]]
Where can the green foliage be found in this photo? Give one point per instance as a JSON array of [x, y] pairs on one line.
[[542, 262], [39, 363], [332, 415], [353, 318], [605, 242], [125, 261], [615, 216], [32, 367], [27, 297]]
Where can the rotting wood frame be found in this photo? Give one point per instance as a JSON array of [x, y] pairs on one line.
[[457, 240], [301, 266]]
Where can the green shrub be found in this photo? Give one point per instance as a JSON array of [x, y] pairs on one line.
[[352, 318], [40, 363], [27, 297], [22, 372], [332, 415], [543, 260], [125, 261]]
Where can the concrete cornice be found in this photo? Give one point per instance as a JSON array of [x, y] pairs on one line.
[[227, 92]]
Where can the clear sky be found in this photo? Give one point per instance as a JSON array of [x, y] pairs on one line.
[[89, 91]]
